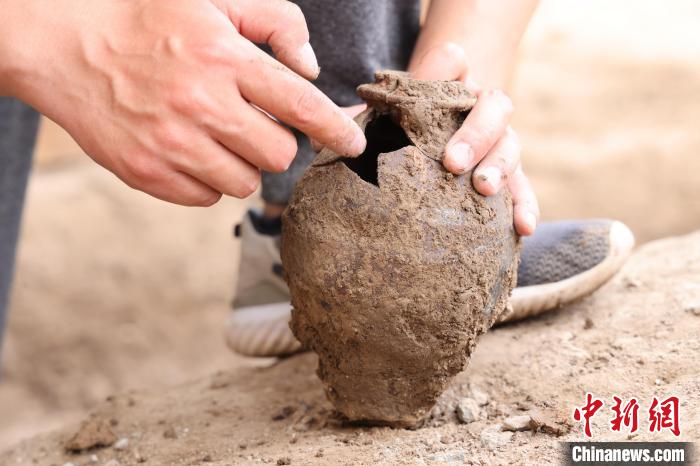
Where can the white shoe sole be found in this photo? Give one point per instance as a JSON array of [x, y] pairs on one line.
[[263, 330]]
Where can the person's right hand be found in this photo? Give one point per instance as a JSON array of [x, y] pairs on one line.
[[172, 95]]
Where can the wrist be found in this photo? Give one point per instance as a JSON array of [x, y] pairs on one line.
[[15, 42]]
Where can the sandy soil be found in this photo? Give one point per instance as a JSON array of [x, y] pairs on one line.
[[116, 291]]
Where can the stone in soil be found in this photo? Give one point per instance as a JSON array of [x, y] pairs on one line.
[[468, 410], [493, 437], [93, 433], [121, 444], [517, 423]]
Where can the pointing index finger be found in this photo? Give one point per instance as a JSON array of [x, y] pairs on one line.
[[274, 88]]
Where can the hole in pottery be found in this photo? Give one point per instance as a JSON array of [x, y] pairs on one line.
[[383, 136]]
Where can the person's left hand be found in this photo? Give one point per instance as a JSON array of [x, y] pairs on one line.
[[485, 140]]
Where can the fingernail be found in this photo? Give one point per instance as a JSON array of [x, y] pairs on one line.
[[359, 143], [460, 155], [530, 221], [490, 176], [308, 58]]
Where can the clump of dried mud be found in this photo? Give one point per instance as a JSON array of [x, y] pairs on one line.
[[395, 266]]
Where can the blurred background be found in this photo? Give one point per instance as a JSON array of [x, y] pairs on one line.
[[117, 291]]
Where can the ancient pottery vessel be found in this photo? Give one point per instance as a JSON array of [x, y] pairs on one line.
[[395, 266]]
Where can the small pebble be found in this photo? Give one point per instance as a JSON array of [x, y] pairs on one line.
[[517, 423], [283, 461], [467, 410], [632, 283], [693, 308], [68, 464], [121, 444], [455, 457], [492, 437]]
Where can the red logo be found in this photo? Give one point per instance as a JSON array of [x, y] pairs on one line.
[[663, 414], [591, 407], [626, 415]]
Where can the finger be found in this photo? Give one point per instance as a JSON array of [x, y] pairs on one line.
[[282, 25], [254, 136], [210, 163], [154, 177], [526, 210], [447, 62], [498, 166], [180, 188], [351, 111], [482, 128], [354, 110], [272, 87]]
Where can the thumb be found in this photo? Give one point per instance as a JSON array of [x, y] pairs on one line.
[[445, 62]]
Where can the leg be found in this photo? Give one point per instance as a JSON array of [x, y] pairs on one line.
[[18, 125], [277, 187]]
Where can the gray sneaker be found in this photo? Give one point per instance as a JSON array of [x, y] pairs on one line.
[[562, 262], [565, 261], [258, 325]]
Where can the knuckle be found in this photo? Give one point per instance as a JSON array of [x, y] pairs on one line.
[[477, 138], [216, 50], [504, 101], [206, 199], [306, 106], [514, 138], [293, 13], [284, 155], [141, 170], [248, 184], [189, 99], [168, 137], [453, 52]]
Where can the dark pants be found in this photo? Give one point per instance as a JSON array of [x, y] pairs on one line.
[[18, 126]]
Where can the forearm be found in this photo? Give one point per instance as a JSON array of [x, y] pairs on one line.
[[489, 31], [13, 20]]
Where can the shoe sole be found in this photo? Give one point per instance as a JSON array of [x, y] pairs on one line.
[[263, 330], [529, 301]]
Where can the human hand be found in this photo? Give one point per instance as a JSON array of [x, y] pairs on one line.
[[485, 140], [172, 95], [352, 111]]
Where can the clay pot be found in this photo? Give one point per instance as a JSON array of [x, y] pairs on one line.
[[394, 265]]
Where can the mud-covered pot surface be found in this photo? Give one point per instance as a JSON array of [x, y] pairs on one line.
[[395, 266]]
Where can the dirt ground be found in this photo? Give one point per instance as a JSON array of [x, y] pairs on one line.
[[117, 292]]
